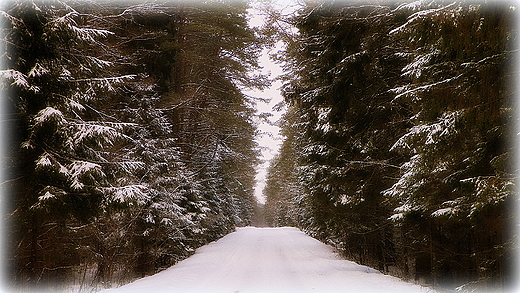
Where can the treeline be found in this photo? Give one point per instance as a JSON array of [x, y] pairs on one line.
[[133, 143], [398, 142]]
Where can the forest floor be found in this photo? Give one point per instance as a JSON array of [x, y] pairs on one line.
[[268, 260]]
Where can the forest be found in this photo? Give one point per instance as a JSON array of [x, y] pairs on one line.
[[399, 137], [132, 138], [132, 142]]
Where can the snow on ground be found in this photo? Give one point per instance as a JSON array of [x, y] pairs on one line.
[[267, 260]]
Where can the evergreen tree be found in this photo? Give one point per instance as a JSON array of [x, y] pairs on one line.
[[283, 188], [56, 73], [403, 137], [137, 143], [458, 181], [342, 66]]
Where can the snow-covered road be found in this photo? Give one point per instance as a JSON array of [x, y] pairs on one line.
[[267, 260]]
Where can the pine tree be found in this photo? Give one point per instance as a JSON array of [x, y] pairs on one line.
[[405, 107], [56, 73], [136, 152], [457, 181], [342, 67], [283, 189]]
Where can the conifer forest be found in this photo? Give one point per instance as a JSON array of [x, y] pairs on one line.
[[132, 138]]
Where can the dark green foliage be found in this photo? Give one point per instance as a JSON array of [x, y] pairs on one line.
[[341, 94], [282, 186], [135, 142], [403, 136]]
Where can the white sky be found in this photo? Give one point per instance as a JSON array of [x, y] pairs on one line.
[[269, 139]]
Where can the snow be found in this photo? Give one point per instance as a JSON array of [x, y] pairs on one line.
[[89, 34], [38, 70], [444, 212], [413, 6], [49, 113], [90, 130], [419, 15], [44, 160], [129, 193], [406, 90], [46, 196], [268, 260], [78, 168], [18, 78], [415, 68]]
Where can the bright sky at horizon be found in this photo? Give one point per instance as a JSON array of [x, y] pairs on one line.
[[269, 139]]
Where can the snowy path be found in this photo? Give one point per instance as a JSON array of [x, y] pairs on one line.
[[267, 260]]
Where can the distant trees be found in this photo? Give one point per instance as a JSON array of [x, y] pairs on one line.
[[401, 150], [283, 189], [135, 140]]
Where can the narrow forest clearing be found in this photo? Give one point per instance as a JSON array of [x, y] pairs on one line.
[[268, 260]]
